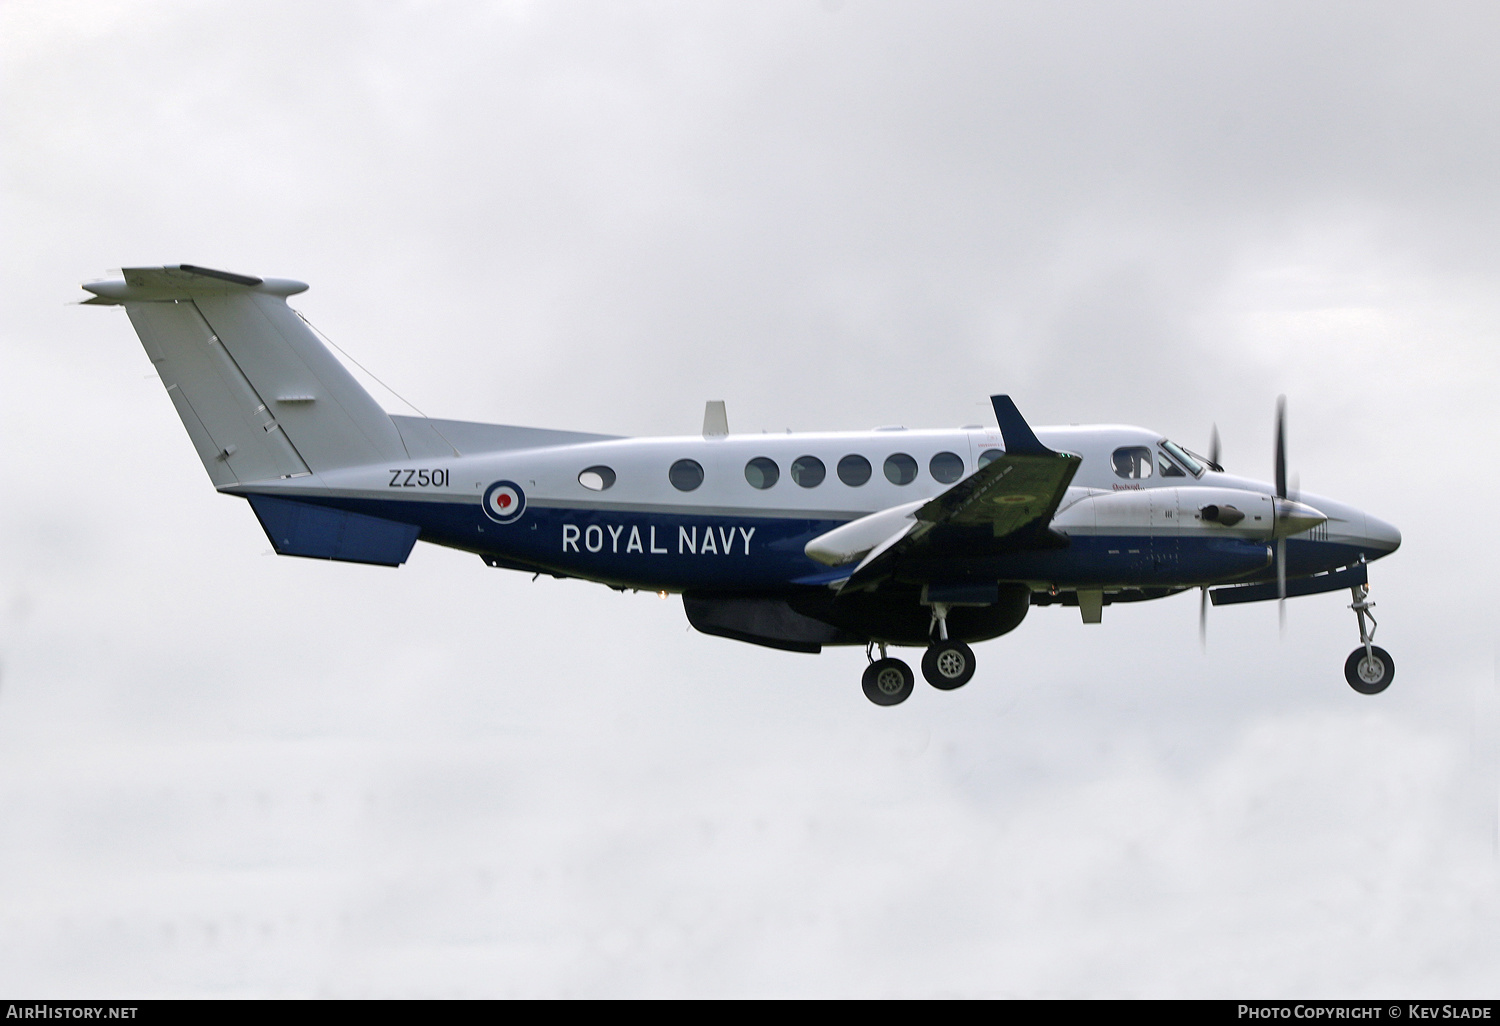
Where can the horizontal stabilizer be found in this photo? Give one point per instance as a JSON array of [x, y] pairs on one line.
[[302, 529]]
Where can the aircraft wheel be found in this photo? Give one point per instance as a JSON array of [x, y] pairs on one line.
[[948, 665], [888, 682], [1369, 676]]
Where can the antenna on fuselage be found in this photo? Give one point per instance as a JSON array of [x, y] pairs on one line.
[[715, 419]]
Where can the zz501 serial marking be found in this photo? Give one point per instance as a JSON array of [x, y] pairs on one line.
[[409, 478]]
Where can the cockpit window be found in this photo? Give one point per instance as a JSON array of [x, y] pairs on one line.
[[1184, 457], [1167, 468], [1132, 462]]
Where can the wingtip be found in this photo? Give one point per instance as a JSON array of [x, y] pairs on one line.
[[1019, 438]]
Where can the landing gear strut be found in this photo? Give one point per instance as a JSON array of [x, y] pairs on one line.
[[1369, 668], [947, 664], [887, 681]]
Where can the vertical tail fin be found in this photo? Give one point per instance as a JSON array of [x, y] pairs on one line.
[[260, 396]]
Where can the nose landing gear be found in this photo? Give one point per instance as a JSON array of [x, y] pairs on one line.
[[1369, 668]]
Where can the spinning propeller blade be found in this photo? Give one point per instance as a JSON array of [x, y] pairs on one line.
[[1281, 583], [1281, 494], [1281, 447]]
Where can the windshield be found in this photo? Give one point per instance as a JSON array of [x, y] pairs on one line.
[[1181, 455]]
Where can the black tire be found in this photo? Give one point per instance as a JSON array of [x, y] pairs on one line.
[[948, 665], [1369, 677], [888, 682]]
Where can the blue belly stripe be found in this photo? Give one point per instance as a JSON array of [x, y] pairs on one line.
[[685, 552]]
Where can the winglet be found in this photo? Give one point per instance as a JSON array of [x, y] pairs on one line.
[[1020, 440]]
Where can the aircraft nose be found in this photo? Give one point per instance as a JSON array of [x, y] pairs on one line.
[[1381, 535]]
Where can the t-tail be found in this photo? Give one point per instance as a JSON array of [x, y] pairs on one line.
[[261, 397]]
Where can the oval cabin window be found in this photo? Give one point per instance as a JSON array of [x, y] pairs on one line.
[[900, 469], [685, 475], [946, 467], [854, 470], [596, 479], [808, 471], [762, 473]]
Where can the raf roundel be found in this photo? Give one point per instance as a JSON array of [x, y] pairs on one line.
[[504, 502]]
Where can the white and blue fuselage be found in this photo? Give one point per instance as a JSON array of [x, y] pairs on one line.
[[796, 541], [745, 525]]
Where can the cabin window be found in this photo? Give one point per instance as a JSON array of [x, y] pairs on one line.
[[1132, 462], [900, 469], [596, 479], [762, 473], [685, 475], [808, 471], [990, 456], [854, 470], [946, 467]]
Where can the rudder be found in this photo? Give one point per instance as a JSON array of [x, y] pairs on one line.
[[260, 396]]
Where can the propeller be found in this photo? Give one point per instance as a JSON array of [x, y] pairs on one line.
[[1213, 462], [1281, 494], [1289, 517]]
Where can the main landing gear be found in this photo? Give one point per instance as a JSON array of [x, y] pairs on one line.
[[1369, 668], [887, 681], [947, 665]]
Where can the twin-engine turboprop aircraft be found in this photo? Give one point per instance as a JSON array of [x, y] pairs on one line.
[[932, 539]]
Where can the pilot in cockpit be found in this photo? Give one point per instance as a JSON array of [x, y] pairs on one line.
[[1132, 462]]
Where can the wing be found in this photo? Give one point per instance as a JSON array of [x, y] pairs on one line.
[[1006, 504]]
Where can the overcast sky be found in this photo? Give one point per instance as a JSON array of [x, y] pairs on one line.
[[227, 773]]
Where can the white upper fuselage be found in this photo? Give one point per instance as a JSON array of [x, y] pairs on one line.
[[1150, 493]]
